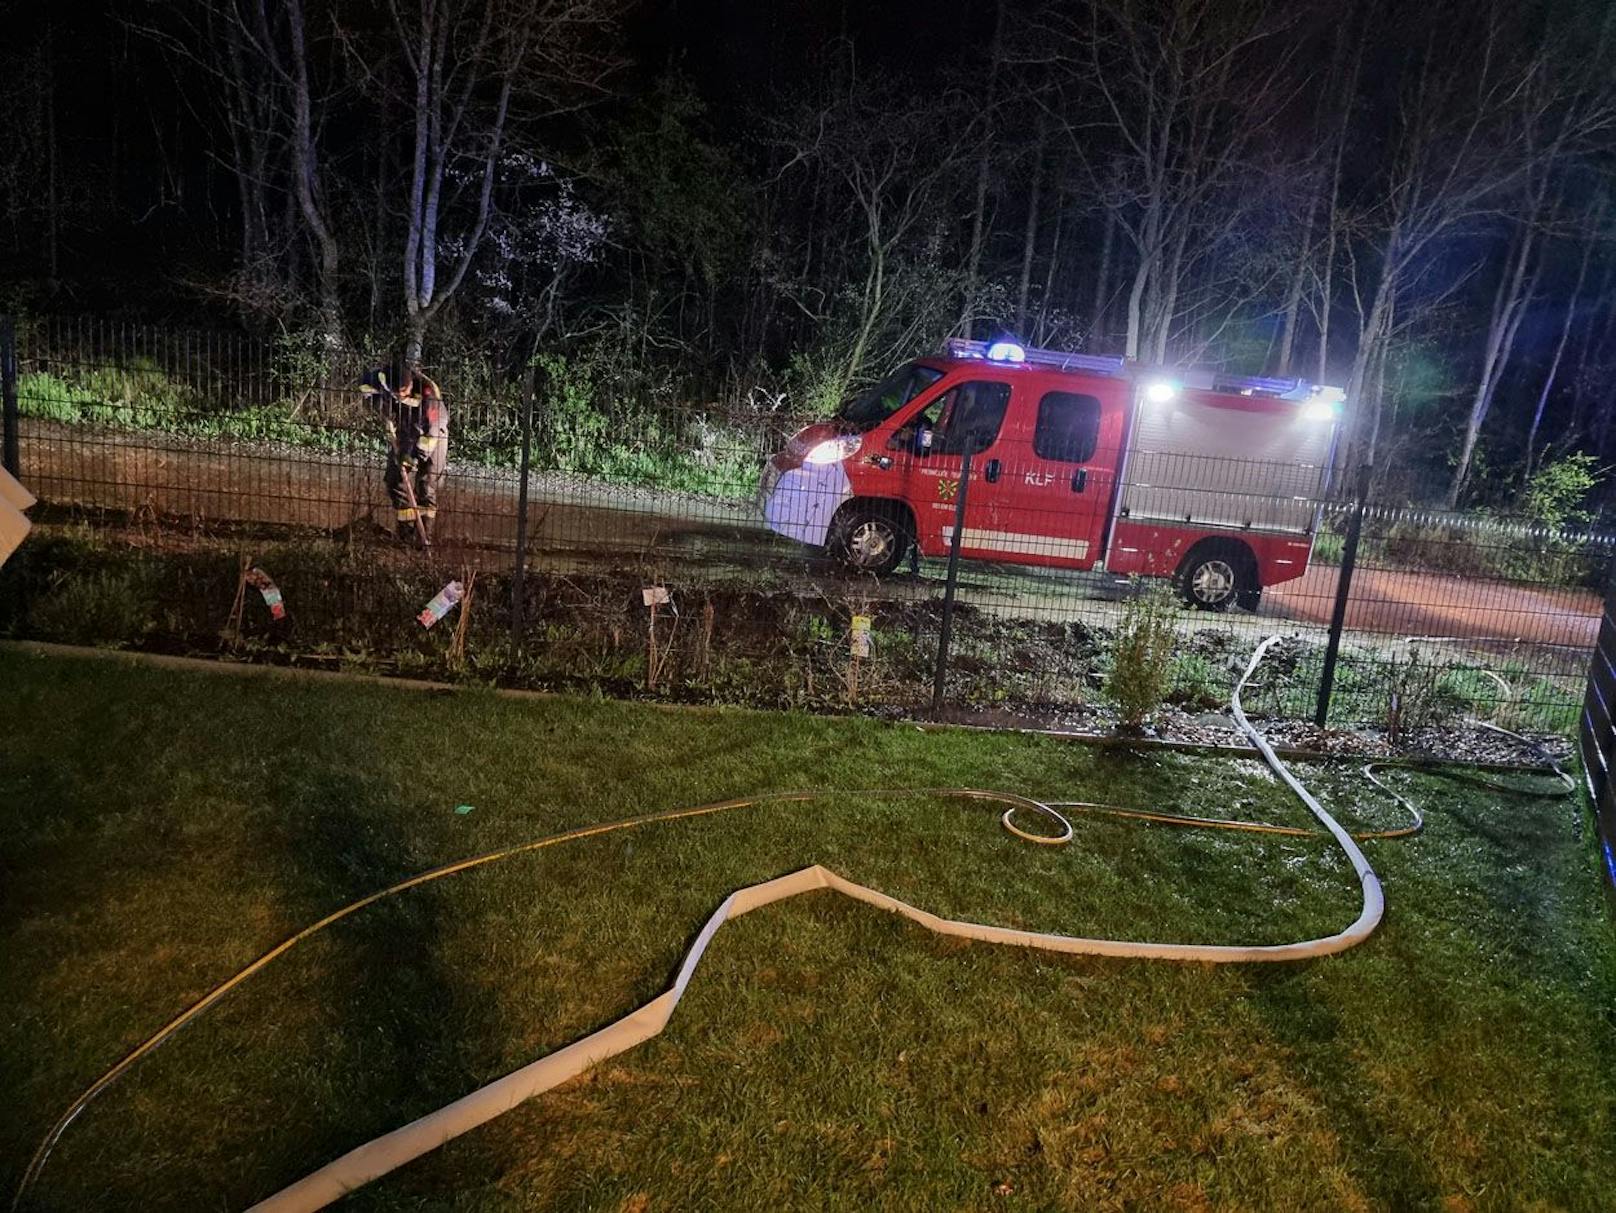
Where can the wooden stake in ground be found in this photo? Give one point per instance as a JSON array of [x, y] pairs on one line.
[[858, 650], [457, 647], [653, 596], [232, 625]]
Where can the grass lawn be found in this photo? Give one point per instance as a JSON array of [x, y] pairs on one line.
[[163, 828]]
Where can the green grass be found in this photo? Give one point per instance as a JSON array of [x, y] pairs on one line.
[[165, 827]]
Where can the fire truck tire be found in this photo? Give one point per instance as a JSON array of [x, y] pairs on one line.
[[1217, 575], [870, 536]]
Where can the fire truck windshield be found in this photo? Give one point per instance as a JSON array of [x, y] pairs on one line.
[[874, 405]]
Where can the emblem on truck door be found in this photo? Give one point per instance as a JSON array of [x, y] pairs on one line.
[[946, 489]]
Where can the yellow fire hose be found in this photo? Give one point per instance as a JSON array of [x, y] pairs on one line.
[[393, 1149]]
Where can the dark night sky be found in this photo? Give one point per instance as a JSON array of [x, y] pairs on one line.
[[132, 148]]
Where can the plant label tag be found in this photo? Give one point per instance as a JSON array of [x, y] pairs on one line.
[[655, 595], [442, 603], [861, 636], [260, 581]]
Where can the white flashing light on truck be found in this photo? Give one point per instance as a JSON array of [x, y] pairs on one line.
[[1078, 461]]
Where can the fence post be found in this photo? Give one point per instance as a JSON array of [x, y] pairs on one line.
[[944, 634], [8, 388], [519, 581], [1343, 590]]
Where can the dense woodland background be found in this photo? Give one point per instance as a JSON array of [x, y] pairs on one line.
[[754, 205]]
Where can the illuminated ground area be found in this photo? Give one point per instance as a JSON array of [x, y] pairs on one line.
[[164, 828]]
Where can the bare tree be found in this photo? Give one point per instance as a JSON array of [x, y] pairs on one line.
[[255, 59], [984, 163], [475, 68], [887, 161], [1185, 91], [1573, 301], [1455, 136]]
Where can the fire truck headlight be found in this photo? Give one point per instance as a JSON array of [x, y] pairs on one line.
[[1320, 410], [833, 450], [1160, 391]]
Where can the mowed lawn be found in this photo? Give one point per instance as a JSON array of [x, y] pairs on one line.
[[162, 828]]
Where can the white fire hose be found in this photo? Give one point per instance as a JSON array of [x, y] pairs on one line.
[[391, 1150]]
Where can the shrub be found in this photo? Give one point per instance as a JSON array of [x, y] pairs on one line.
[[1142, 655], [43, 395], [111, 607], [1556, 491], [1419, 693], [591, 428]]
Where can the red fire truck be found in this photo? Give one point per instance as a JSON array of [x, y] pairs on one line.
[[1076, 461]]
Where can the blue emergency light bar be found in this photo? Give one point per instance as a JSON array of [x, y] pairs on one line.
[[1004, 350], [1259, 385]]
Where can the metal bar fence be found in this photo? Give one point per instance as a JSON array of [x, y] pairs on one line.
[[1596, 735], [192, 447], [9, 416]]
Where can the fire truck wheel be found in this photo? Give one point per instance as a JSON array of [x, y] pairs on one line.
[[868, 538], [1216, 576]]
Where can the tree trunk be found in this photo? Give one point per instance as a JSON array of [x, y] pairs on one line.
[[1333, 216], [1579, 380], [305, 166], [1554, 362], [1371, 330], [1378, 396], [1293, 296], [1102, 282], [1029, 240], [967, 320], [1141, 276], [1050, 272], [1326, 286], [1169, 298], [1508, 305]]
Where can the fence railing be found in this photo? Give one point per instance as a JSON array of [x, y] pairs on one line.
[[194, 449]]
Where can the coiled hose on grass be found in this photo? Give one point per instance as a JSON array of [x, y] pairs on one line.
[[391, 1150]]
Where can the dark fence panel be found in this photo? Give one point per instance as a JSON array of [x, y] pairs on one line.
[[1597, 734], [196, 443]]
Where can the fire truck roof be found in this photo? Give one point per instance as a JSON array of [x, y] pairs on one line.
[[1004, 351]]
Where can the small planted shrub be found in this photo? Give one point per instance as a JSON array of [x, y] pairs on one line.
[[1418, 694], [1142, 655]]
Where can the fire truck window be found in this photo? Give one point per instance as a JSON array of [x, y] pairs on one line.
[[874, 405], [972, 418], [1068, 427]]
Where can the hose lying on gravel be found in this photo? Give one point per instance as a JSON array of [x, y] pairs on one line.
[[383, 1154]]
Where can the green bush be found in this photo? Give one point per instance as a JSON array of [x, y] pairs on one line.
[[105, 607], [1556, 491], [46, 396], [1142, 655], [592, 430]]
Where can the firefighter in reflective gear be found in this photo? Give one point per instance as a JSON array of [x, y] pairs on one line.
[[417, 422]]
